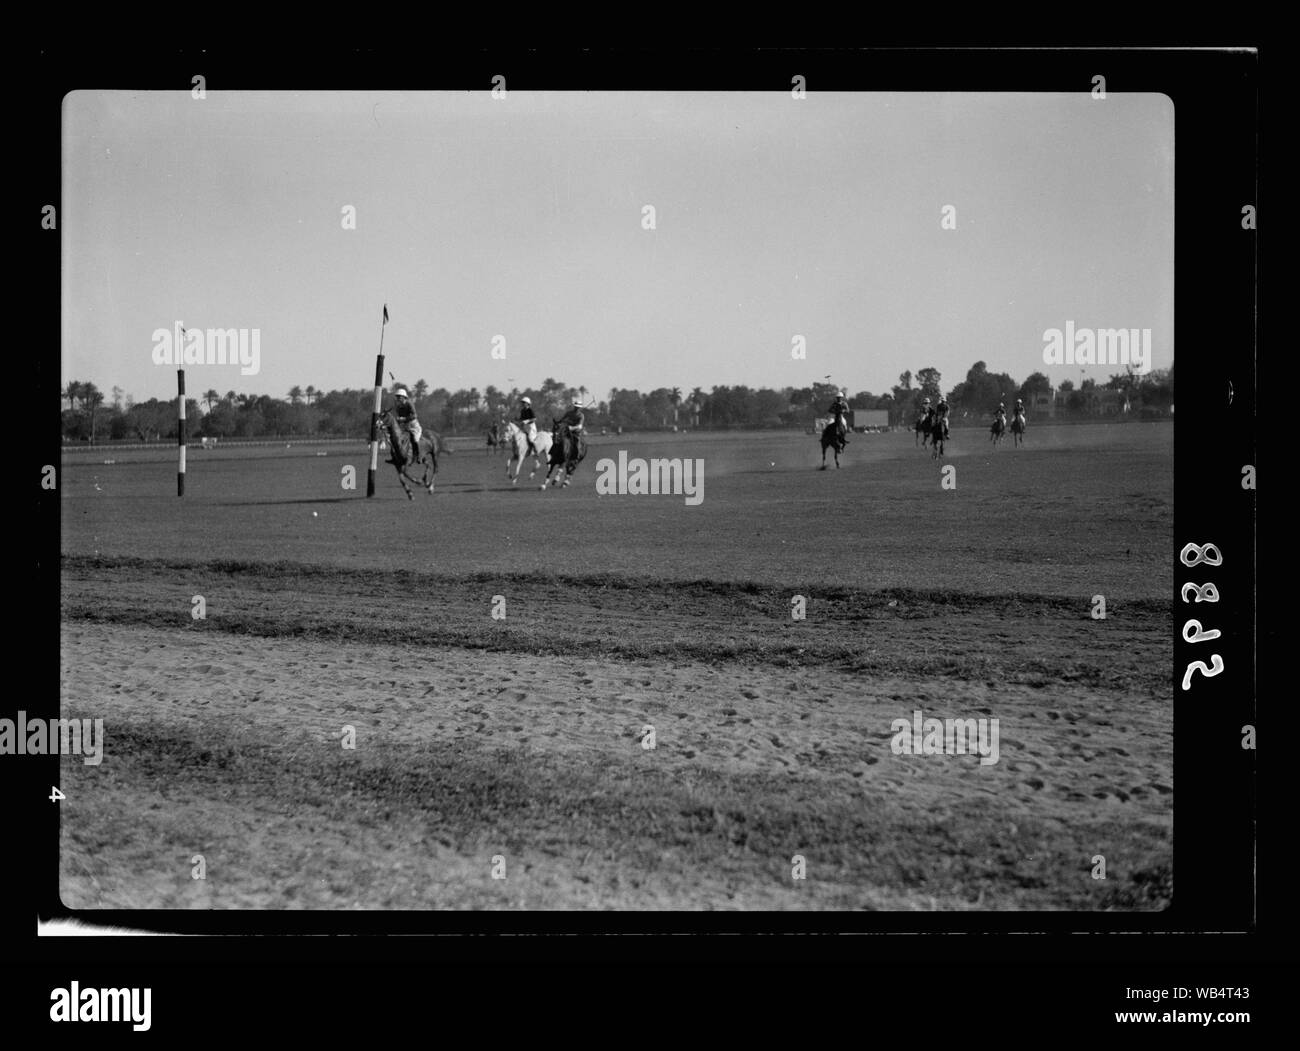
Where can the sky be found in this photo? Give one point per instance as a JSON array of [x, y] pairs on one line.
[[523, 217]]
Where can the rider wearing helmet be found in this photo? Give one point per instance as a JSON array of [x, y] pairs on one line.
[[941, 415], [572, 422], [406, 416], [839, 411], [1001, 414], [528, 423], [1020, 408]]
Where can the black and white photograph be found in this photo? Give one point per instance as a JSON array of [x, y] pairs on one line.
[[677, 501]]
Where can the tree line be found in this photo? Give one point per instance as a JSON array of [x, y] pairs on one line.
[[309, 412]]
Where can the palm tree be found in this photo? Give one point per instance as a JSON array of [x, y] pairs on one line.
[[312, 392], [209, 396], [72, 392], [295, 394], [231, 397], [420, 390], [676, 398], [90, 398], [697, 403]]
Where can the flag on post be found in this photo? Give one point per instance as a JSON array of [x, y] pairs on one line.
[[385, 313]]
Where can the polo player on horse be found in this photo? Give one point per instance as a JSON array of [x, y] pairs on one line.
[[839, 411], [528, 424], [571, 424], [410, 422], [941, 416]]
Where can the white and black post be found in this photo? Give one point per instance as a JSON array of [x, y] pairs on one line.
[[374, 418], [180, 432]]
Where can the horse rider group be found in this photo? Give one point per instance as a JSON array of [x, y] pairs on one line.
[[1001, 414], [571, 424], [936, 417]]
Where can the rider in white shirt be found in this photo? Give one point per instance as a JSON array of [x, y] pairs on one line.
[[528, 423], [407, 418], [941, 417], [840, 414]]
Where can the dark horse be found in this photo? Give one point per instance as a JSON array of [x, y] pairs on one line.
[[400, 454], [832, 438], [938, 436], [922, 428], [998, 431], [568, 449], [1018, 429]]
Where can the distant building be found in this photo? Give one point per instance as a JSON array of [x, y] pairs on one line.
[[868, 419], [1043, 403]]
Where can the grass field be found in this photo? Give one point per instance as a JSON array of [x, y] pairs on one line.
[[521, 738]]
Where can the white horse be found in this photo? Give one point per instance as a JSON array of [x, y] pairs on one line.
[[517, 441]]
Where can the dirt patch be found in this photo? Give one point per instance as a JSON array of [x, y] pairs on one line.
[[231, 747]]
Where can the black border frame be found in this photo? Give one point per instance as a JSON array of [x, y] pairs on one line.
[[1216, 99]]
